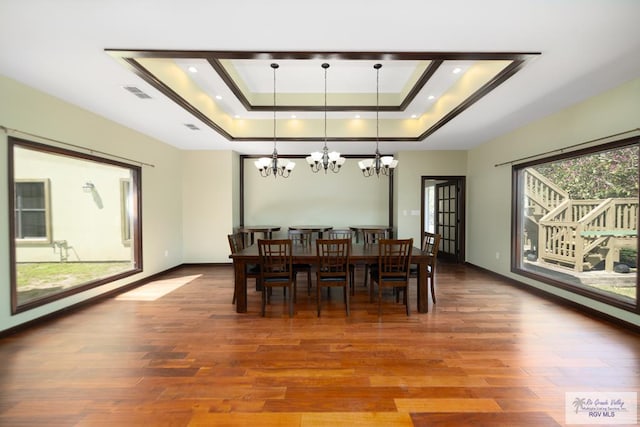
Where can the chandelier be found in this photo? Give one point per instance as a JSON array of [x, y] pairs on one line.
[[274, 166], [325, 160], [379, 164]]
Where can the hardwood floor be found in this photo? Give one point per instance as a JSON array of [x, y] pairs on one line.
[[175, 353]]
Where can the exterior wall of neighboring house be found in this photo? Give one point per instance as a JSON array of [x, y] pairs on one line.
[[85, 209]]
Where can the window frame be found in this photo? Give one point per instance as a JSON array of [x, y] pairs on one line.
[[136, 223], [516, 226]]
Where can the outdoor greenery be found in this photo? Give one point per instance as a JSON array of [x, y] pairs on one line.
[[35, 280], [597, 176]]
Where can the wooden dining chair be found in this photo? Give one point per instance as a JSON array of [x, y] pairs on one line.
[[333, 261], [430, 245], [276, 269], [345, 233], [236, 244], [392, 270], [301, 240], [371, 237]]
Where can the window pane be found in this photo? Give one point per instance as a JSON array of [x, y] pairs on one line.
[[33, 224], [577, 222], [30, 195]]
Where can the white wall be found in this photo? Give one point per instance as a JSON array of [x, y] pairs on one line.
[[307, 198], [489, 187], [32, 111], [207, 207], [412, 167]]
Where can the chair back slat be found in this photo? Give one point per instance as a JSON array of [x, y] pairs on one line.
[[275, 258], [431, 243], [394, 258], [341, 234], [333, 257], [301, 238], [236, 242], [373, 235]]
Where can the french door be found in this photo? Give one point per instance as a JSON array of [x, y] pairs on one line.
[[447, 214]]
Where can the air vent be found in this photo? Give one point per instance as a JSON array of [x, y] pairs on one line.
[[137, 92], [192, 126]]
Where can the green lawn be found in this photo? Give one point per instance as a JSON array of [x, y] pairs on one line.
[[36, 280]]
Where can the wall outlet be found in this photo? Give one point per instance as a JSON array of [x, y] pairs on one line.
[[497, 255], [166, 253]]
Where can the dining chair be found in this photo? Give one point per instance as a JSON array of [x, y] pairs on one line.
[[345, 233], [371, 236], [333, 261], [430, 245], [276, 269], [393, 268], [301, 240], [236, 244]]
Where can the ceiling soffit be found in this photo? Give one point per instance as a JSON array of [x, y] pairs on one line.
[[232, 92]]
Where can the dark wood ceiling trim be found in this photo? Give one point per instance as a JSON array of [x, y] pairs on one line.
[[214, 57], [129, 56], [424, 78], [169, 93], [228, 80], [497, 80]]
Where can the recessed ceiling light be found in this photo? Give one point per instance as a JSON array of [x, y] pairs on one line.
[[457, 70], [192, 69], [432, 97], [293, 116], [237, 116], [218, 97], [413, 116], [357, 116]]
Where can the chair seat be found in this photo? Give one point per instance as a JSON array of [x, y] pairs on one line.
[[337, 279], [272, 280]]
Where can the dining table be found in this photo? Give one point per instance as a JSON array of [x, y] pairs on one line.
[[358, 230], [320, 229], [360, 253], [266, 230]]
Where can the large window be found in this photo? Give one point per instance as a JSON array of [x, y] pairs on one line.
[[576, 222], [75, 222]]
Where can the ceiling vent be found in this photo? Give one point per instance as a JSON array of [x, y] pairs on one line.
[[137, 92], [192, 126]]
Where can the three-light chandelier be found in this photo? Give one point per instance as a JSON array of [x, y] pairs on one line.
[[379, 164], [326, 160], [274, 166]]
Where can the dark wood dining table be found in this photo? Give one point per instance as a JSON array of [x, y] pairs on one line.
[[360, 253], [313, 228], [266, 230], [357, 229]]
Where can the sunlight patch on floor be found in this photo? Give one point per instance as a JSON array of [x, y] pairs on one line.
[[156, 289]]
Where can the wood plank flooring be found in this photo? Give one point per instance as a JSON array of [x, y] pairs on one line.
[[175, 353]]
